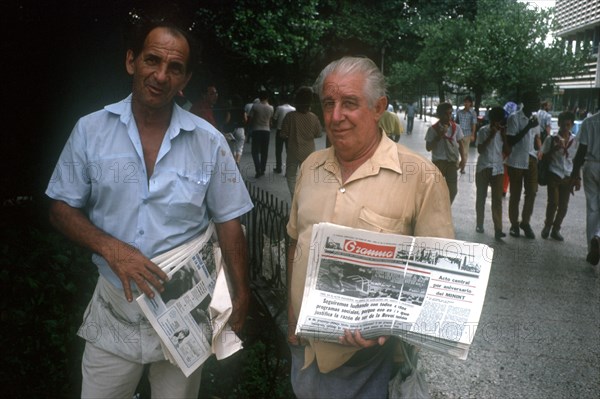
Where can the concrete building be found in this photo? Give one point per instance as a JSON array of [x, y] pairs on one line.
[[579, 22]]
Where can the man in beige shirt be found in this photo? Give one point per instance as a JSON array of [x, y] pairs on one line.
[[364, 180]]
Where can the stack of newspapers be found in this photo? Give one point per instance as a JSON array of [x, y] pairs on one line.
[[427, 291], [190, 315]]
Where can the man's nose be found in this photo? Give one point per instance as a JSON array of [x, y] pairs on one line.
[[337, 113], [161, 73]]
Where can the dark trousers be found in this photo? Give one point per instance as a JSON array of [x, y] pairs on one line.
[[280, 144], [260, 149], [522, 179], [449, 171], [484, 179], [559, 191], [409, 124]]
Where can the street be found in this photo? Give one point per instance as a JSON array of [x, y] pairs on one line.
[[539, 332]]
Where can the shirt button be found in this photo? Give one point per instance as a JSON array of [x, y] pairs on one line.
[[141, 232], [342, 190], [144, 201]]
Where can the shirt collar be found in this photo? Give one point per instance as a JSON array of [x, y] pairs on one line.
[[385, 157], [180, 119]]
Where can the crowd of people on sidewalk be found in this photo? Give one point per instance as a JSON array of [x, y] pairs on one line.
[[160, 196], [518, 143], [510, 147]]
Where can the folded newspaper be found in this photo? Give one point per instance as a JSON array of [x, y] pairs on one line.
[[190, 316], [427, 291]]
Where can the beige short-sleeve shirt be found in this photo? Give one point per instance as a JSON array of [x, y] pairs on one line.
[[395, 191]]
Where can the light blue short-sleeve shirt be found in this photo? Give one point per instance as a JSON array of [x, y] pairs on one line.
[[101, 170]]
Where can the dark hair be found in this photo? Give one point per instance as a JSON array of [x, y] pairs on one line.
[[566, 116], [263, 95], [168, 16], [303, 99], [442, 108], [497, 114], [468, 98]]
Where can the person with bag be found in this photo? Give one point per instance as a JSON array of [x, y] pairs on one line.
[[560, 151], [444, 139]]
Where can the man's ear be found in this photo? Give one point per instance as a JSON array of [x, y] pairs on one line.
[[380, 106], [129, 62]]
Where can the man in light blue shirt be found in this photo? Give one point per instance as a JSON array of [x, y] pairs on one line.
[[134, 180]]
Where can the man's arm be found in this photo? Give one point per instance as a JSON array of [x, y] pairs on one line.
[[512, 140], [126, 261], [235, 253], [577, 163]]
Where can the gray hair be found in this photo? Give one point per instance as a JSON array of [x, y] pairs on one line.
[[375, 84]]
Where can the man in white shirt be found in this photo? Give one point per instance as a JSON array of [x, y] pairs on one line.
[[491, 140], [280, 142], [523, 136], [589, 152]]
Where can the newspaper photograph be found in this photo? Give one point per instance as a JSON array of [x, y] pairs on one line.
[[181, 314], [427, 291]]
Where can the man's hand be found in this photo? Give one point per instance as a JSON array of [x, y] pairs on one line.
[[129, 264], [354, 338], [533, 122], [240, 304], [575, 184]]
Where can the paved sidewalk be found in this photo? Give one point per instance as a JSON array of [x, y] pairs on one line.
[[539, 333]]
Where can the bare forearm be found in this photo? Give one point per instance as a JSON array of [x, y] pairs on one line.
[[235, 253], [128, 263], [75, 225]]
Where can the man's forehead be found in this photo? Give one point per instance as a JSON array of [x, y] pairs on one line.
[[166, 42], [343, 86]]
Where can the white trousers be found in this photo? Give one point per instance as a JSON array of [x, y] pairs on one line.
[[109, 376], [591, 186]]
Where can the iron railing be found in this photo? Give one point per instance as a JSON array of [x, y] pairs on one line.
[[267, 246]]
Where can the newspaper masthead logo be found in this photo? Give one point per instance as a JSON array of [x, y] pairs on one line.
[[363, 248]]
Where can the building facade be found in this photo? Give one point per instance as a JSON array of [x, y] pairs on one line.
[[579, 22]]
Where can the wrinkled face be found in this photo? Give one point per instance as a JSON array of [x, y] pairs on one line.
[[350, 123], [160, 70]]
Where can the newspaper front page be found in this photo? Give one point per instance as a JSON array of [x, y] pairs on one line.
[[183, 315], [427, 291]]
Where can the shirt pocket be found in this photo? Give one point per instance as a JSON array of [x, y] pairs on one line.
[[188, 197], [372, 221]]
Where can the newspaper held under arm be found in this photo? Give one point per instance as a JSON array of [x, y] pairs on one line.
[[427, 291], [190, 315]]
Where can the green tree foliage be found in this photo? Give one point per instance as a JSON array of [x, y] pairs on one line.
[[506, 50], [264, 31]]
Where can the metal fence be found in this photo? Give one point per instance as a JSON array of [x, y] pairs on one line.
[[267, 244]]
